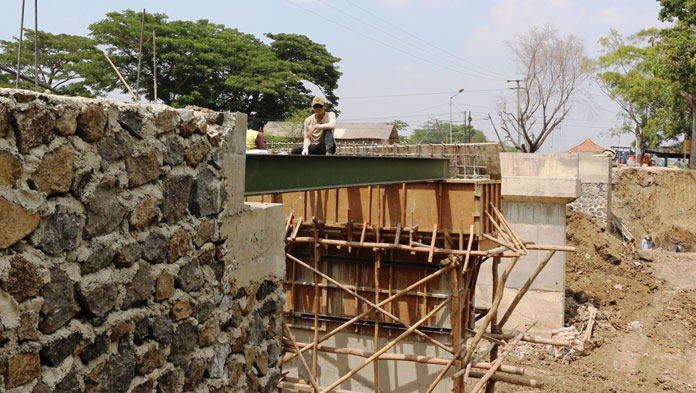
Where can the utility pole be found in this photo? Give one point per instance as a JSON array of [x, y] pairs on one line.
[[519, 121]]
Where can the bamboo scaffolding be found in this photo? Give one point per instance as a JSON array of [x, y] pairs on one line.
[[312, 379]]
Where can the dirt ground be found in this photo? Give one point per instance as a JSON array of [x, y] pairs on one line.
[[644, 339]]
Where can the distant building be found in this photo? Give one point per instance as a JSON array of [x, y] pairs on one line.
[[344, 133], [587, 146]]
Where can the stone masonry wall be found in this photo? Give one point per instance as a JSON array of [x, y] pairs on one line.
[[593, 200], [116, 274]]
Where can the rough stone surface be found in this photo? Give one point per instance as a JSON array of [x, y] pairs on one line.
[[22, 368], [104, 212], [183, 343], [205, 232], [131, 121], [34, 127], [155, 247], [182, 309], [179, 245], [53, 354], [195, 125], [116, 374], [29, 320], [194, 374], [23, 282], [99, 258], [10, 169], [66, 124], [164, 287], [169, 382], [162, 329], [177, 190], [209, 333], [190, 276], [145, 387], [15, 223], [122, 329], [95, 349], [146, 213], [140, 289], [206, 255], [128, 255], [55, 172], [115, 146], [150, 361], [142, 169], [196, 152], [41, 387], [59, 305], [593, 200], [69, 384], [61, 232], [91, 122], [140, 331], [166, 120], [206, 195], [4, 119], [175, 151], [98, 300]]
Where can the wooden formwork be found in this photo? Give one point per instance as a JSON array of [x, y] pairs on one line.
[[394, 263]]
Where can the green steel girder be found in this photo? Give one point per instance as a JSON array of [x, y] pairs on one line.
[[269, 174]]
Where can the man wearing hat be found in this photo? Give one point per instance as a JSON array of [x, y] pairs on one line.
[[318, 130]]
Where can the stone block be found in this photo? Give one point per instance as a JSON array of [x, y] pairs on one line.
[[190, 277], [216, 367], [161, 329], [177, 190], [195, 125], [128, 255], [168, 382], [4, 119], [140, 289], [205, 233], [150, 361], [16, 222], [54, 353], [142, 169], [145, 387], [140, 332], [115, 375], [131, 121], [61, 232], [104, 211], [55, 172], [155, 247], [206, 254], [97, 299], [23, 282], [91, 122], [261, 364], [166, 120], [122, 329], [116, 146], [196, 152], [29, 320], [205, 310], [183, 343], [145, 213], [206, 195], [179, 245], [10, 169], [209, 333], [194, 374], [182, 309], [165, 286], [100, 257], [69, 384], [34, 127], [175, 151], [95, 349], [66, 123], [21, 369], [59, 302]]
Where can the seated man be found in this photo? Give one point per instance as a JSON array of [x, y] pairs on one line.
[[318, 129]]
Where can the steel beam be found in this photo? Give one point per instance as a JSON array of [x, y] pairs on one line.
[[268, 174]]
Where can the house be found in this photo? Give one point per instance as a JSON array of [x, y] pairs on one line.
[[587, 146], [344, 133]]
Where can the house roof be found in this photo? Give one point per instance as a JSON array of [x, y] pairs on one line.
[[587, 146], [377, 131]]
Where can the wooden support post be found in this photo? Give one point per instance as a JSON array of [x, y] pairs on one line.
[[290, 336], [378, 255], [490, 387]]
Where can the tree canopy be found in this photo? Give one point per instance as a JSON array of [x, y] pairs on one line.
[[435, 132]]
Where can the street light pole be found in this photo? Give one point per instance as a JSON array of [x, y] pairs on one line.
[[450, 122]]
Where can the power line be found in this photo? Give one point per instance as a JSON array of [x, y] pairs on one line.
[[487, 74], [323, 17], [418, 94], [420, 39]]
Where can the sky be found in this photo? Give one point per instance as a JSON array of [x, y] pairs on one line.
[[402, 59]]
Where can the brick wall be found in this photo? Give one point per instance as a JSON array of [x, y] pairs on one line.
[[117, 269]]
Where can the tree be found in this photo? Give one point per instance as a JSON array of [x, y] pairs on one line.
[[433, 132], [66, 62], [210, 65], [553, 70], [678, 55], [401, 126], [650, 105]]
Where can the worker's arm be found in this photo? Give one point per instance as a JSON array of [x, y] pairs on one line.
[[261, 141], [330, 125], [307, 133]]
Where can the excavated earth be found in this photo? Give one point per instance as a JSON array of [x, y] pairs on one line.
[[644, 338]]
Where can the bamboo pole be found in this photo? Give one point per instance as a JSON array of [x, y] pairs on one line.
[[140, 57], [498, 241], [368, 302], [376, 345], [19, 50], [36, 45], [502, 233], [154, 66], [507, 225], [490, 388], [525, 288], [383, 302], [315, 307], [121, 77], [312, 379], [526, 338], [386, 348], [413, 358]]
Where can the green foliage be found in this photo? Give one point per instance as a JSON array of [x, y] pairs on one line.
[[66, 62], [210, 65], [629, 74], [433, 132], [683, 10]]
